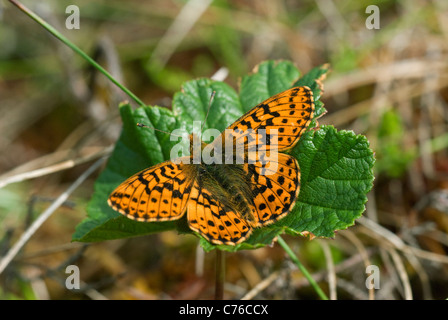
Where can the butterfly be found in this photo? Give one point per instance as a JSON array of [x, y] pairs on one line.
[[224, 202]]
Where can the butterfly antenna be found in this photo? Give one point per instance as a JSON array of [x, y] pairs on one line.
[[141, 125], [208, 109]]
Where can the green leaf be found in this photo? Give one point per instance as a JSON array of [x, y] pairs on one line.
[[336, 175], [336, 167], [193, 103], [268, 79]]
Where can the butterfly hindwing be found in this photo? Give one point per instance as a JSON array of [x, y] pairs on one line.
[[213, 220], [275, 189]]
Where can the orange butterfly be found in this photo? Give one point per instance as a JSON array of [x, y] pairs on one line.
[[225, 202]]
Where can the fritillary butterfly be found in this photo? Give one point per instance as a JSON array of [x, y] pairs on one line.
[[225, 202]]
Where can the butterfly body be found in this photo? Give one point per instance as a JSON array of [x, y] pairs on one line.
[[223, 177], [242, 188]]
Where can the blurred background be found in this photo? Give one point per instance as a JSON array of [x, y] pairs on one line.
[[58, 115]]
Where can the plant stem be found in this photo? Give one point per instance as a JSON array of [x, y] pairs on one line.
[[302, 268], [220, 274], [67, 42]]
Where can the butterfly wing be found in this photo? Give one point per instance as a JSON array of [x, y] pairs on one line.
[[289, 113], [159, 193], [275, 190], [213, 220]]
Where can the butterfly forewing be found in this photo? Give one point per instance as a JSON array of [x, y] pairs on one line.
[[286, 115], [159, 193]]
